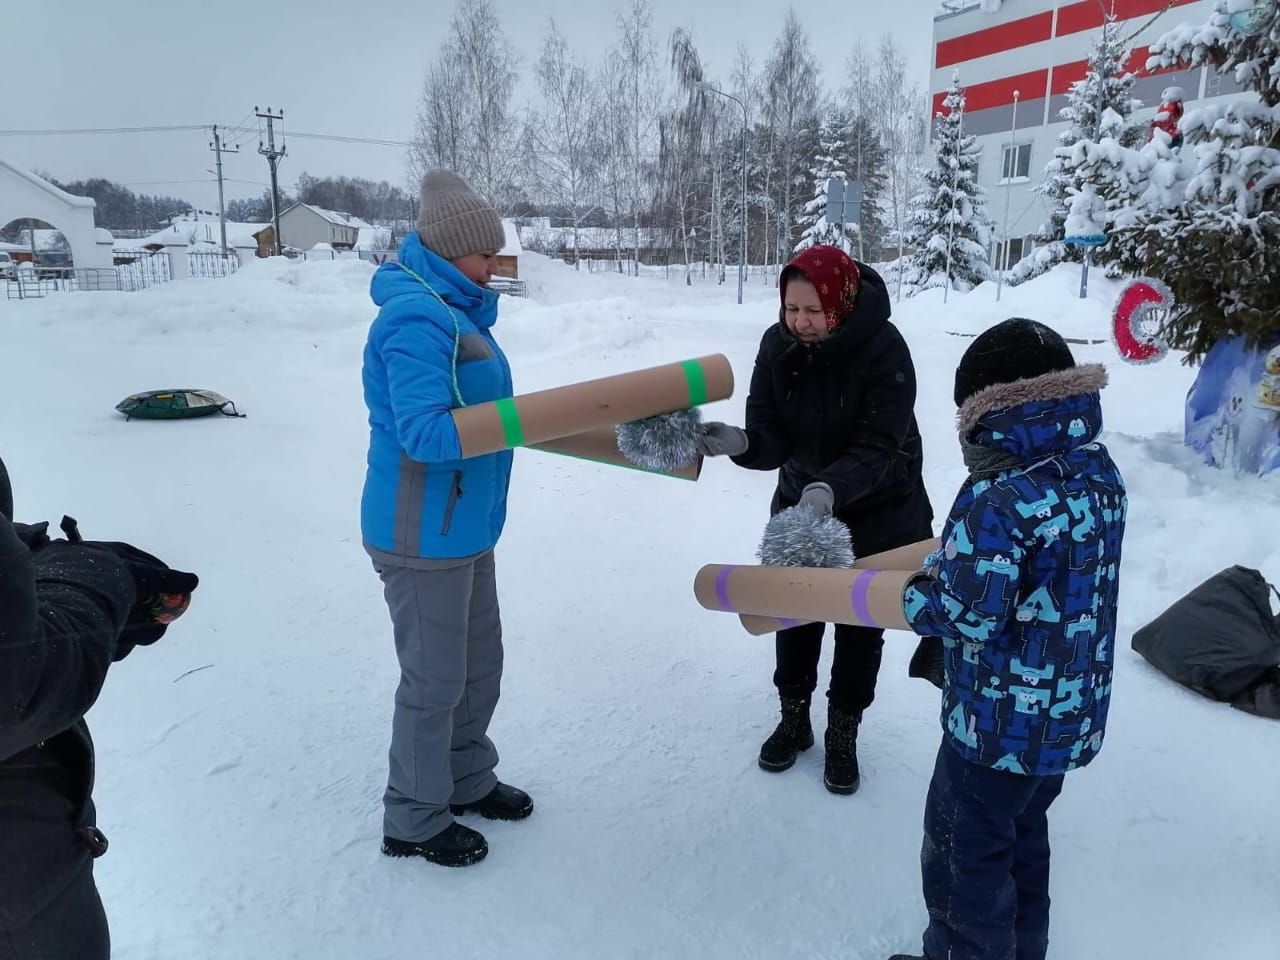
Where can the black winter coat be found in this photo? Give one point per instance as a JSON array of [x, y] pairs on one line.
[[63, 607], [842, 412]]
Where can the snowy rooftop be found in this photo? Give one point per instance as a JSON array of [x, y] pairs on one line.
[[47, 187], [335, 217], [196, 233]]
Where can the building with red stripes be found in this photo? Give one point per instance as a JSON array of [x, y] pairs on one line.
[[1037, 49]]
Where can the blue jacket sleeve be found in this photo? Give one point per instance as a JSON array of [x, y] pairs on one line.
[[975, 593], [420, 387]]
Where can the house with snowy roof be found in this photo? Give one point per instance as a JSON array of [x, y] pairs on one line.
[[303, 225]]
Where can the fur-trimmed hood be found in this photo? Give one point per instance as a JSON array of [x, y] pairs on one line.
[[1040, 417], [1084, 379]]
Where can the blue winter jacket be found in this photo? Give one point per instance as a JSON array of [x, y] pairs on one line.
[[1026, 585], [429, 351]]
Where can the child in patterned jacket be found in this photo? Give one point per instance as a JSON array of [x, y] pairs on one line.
[[1024, 593]]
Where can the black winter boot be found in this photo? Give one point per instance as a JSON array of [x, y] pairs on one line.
[[841, 774], [503, 802], [793, 734], [455, 846]]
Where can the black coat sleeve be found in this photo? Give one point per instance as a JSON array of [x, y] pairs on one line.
[[873, 458], [769, 445], [62, 610]]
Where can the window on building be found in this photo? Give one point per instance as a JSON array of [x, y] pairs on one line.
[[1017, 162], [1005, 254]]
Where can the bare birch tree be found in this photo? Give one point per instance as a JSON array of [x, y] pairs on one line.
[[900, 124], [644, 92], [791, 77], [563, 139], [465, 117]]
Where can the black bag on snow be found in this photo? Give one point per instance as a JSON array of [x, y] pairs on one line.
[[1221, 640]]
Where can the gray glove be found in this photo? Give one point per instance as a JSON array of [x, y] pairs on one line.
[[819, 498], [722, 440]]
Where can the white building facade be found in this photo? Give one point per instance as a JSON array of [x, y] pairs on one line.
[[1038, 49]]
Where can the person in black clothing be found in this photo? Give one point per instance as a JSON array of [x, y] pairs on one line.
[[68, 610], [832, 408]]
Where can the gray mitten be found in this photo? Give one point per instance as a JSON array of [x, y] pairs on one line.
[[722, 440], [819, 498]]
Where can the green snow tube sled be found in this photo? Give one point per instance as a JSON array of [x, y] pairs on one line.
[[182, 404]]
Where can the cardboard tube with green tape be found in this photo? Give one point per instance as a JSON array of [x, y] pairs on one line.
[[861, 598], [535, 418], [909, 558], [601, 446]]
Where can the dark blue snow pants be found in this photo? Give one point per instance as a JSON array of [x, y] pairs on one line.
[[985, 862]]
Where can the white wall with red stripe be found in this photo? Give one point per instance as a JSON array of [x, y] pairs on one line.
[[1039, 48]]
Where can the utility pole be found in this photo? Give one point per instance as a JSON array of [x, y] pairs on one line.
[[273, 160], [217, 149], [1009, 176]]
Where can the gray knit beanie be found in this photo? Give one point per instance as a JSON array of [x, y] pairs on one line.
[[453, 221]]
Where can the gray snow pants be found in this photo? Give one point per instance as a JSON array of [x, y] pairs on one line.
[[449, 642]]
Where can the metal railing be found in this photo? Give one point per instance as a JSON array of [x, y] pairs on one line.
[[142, 270], [204, 265]]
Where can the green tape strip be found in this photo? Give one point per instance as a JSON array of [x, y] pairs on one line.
[[697, 381], [512, 428]]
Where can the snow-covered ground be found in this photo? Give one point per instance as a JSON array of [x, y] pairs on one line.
[[243, 799]]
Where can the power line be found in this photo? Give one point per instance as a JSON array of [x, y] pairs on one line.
[[340, 139], [100, 130]]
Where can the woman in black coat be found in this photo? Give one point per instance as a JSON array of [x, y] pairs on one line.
[[68, 610], [832, 409]]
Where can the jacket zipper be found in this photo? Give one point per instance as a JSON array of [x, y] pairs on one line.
[[455, 494]]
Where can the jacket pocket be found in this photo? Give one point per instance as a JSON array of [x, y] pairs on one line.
[[455, 494]]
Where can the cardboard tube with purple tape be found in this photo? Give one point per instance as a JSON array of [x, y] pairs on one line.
[[862, 598], [534, 418], [909, 558], [601, 446]]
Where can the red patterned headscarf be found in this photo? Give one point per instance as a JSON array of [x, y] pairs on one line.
[[835, 276]]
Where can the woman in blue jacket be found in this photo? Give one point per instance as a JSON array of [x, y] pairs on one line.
[[431, 520]]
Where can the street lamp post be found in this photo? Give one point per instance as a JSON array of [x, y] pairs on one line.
[[706, 87]]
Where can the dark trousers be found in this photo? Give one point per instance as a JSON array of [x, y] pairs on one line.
[[853, 668], [985, 862], [73, 925]]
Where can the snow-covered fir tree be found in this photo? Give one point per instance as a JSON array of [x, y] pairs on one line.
[[1216, 249], [828, 165], [949, 228], [1098, 107]]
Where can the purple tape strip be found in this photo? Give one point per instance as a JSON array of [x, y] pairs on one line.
[[788, 623], [722, 587], [858, 597]]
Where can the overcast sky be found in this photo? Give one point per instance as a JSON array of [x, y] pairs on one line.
[[334, 66]]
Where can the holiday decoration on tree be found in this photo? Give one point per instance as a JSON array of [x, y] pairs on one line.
[[1169, 115], [1251, 18], [1140, 311], [827, 166], [949, 227]]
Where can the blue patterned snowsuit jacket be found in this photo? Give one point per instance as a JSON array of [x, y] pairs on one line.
[[1026, 590]]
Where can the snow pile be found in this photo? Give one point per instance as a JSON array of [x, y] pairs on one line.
[[243, 800]]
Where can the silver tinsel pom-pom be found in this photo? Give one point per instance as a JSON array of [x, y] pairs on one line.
[[798, 537], [668, 441]]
